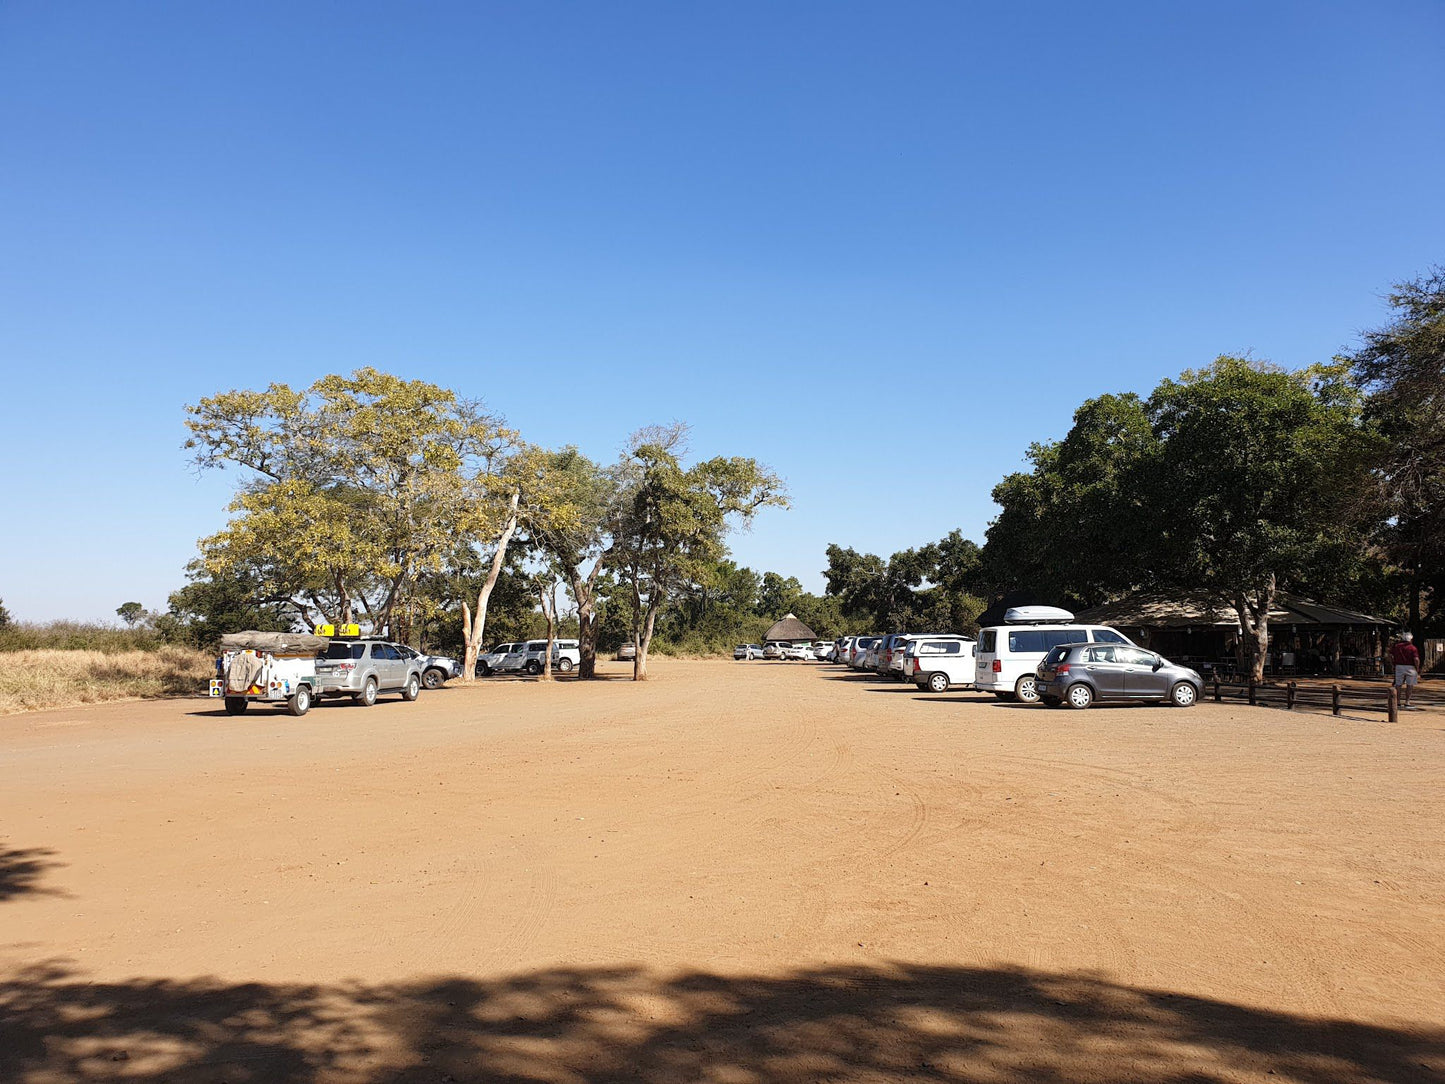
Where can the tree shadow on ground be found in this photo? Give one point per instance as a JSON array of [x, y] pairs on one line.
[[21, 869], [608, 1025]]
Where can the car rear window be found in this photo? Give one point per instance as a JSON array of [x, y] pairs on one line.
[[988, 641], [344, 651], [1056, 655]]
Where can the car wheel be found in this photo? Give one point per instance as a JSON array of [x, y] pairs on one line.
[[412, 689], [1183, 695], [300, 702], [1026, 691], [1079, 697], [938, 683], [534, 667], [236, 705], [367, 696], [484, 669], [433, 678], [564, 665]]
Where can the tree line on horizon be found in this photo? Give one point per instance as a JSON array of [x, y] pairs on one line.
[[404, 505]]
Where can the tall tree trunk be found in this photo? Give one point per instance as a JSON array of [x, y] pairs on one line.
[[644, 642], [585, 592], [549, 611], [1253, 606], [474, 625]]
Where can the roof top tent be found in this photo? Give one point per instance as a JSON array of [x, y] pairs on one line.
[[789, 631]]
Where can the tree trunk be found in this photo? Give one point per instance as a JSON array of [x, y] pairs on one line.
[[644, 641], [1253, 606], [549, 611], [474, 625], [584, 591]]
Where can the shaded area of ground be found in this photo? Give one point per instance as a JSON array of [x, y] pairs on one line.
[[621, 1024], [21, 870]]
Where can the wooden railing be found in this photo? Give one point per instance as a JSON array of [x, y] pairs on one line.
[[1291, 696]]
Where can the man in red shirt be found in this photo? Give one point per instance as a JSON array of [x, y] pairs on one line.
[[1406, 657]]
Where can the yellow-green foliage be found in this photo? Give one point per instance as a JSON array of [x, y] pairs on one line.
[[30, 680]]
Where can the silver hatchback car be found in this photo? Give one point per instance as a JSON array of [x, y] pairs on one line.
[[362, 669], [1080, 674]]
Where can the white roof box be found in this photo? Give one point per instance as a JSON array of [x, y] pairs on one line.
[[1037, 615]]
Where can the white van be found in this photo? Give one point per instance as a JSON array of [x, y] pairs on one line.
[[1009, 654], [937, 662]]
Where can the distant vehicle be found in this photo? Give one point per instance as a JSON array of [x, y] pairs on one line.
[[772, 650], [1081, 674], [566, 656], [799, 652], [361, 669], [823, 650], [1009, 654], [488, 661], [627, 652], [883, 654], [748, 651], [937, 663], [436, 670], [858, 657], [844, 646]]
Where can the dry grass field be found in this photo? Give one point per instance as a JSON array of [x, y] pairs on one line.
[[30, 680], [736, 872]]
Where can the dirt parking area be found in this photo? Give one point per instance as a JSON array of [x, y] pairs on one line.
[[736, 872]]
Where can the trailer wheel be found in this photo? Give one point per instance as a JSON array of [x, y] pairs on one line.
[[236, 705], [300, 702]]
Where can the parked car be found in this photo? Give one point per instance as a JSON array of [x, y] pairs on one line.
[[362, 669], [799, 652], [627, 652], [436, 670], [823, 650], [1009, 655], [844, 649], [488, 661], [937, 663], [566, 656], [748, 651], [883, 654], [772, 650], [1081, 674], [858, 660]]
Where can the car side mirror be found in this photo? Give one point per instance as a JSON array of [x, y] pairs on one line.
[[1158, 665]]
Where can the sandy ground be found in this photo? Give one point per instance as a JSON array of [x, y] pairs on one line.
[[734, 872]]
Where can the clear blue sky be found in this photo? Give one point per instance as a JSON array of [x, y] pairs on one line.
[[881, 247]]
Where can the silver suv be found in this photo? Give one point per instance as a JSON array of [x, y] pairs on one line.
[[362, 669]]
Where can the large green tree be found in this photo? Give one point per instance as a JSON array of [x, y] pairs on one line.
[[355, 486], [1402, 367], [669, 526]]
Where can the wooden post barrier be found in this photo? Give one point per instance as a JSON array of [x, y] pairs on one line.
[[1216, 688], [1392, 705], [1335, 698], [1253, 697], [1289, 697]]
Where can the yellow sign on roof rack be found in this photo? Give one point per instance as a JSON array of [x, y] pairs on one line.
[[338, 631]]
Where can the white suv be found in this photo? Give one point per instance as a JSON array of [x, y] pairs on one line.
[[1009, 654], [566, 656]]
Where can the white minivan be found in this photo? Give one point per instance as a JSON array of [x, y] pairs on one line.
[[937, 662], [1009, 654]]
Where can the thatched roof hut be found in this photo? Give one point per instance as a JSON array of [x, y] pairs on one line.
[[790, 630]]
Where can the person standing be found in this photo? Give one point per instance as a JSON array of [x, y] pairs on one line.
[[1406, 657]]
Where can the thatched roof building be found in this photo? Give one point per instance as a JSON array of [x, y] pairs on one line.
[[1308, 636], [790, 630]]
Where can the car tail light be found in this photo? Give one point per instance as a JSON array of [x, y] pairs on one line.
[[998, 666], [1062, 668]]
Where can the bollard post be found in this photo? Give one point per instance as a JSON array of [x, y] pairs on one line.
[[1289, 696], [1216, 688], [1392, 705], [1335, 699], [1252, 698]]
